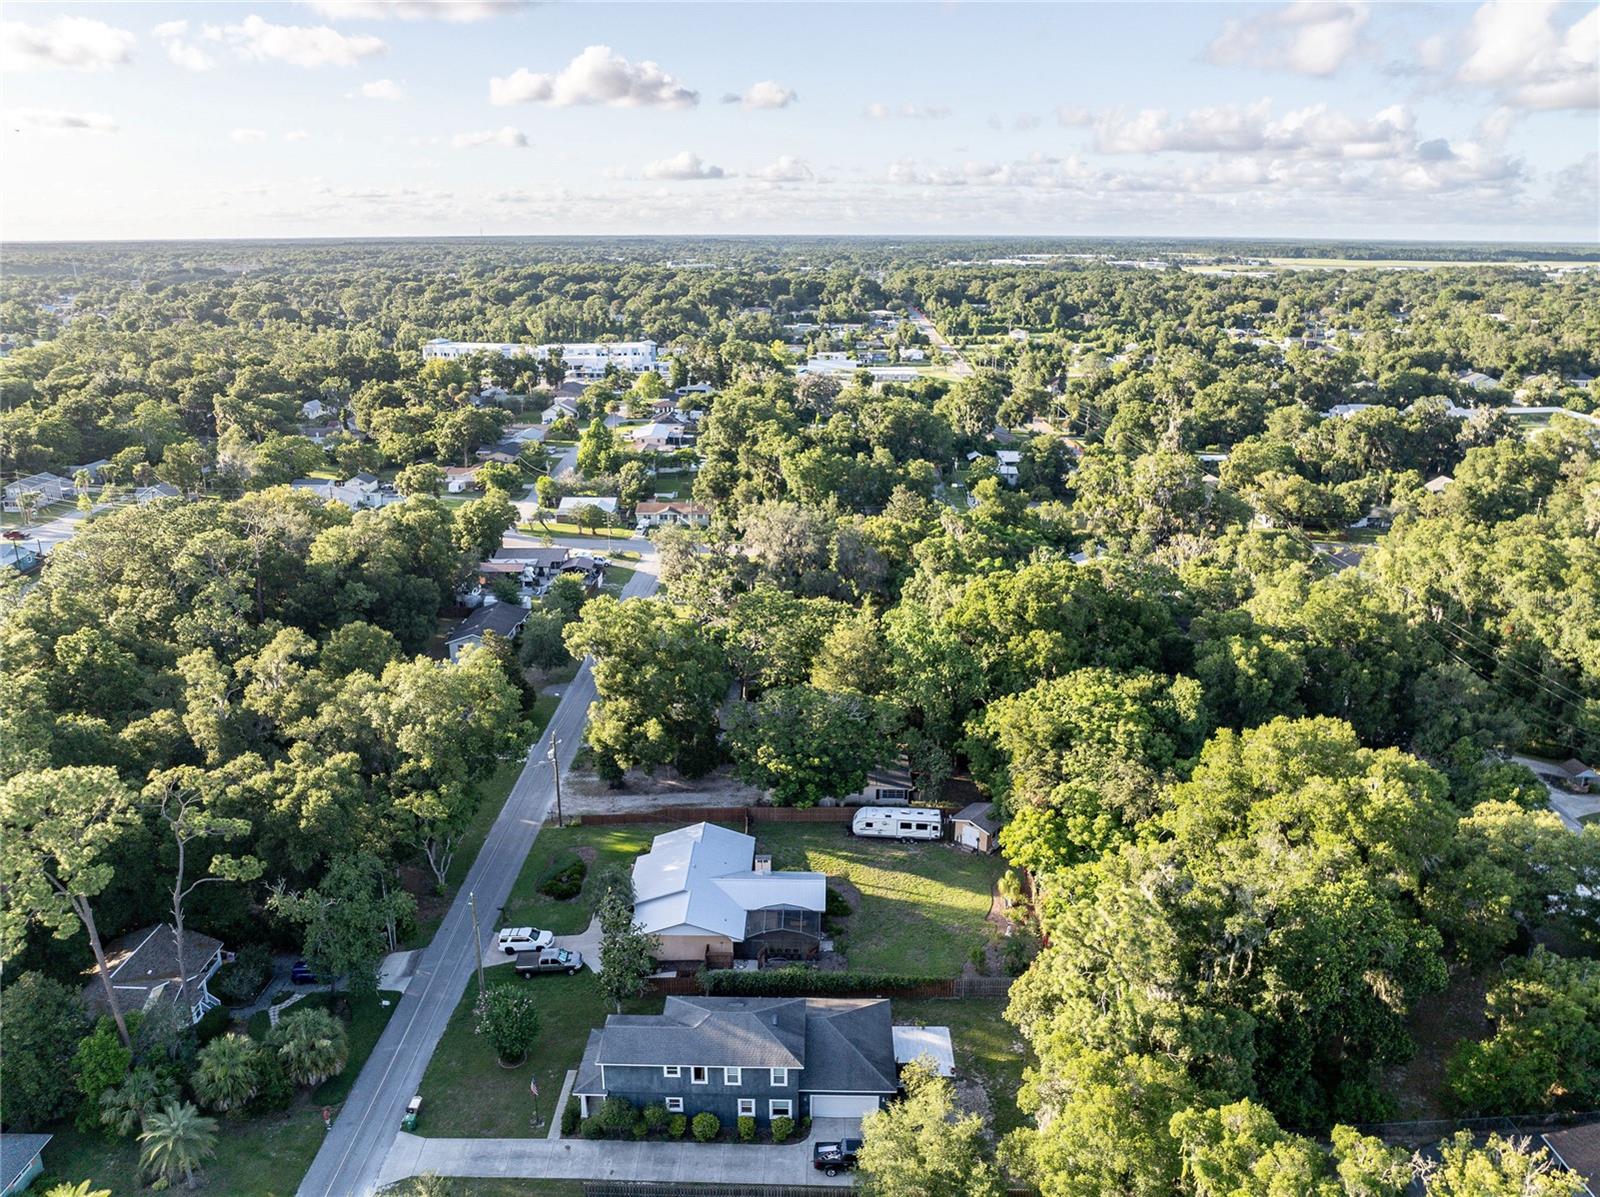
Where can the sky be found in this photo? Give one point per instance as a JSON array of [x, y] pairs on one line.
[[335, 118]]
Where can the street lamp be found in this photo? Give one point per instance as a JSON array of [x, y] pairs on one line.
[[555, 773]]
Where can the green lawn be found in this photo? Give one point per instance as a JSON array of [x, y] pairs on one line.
[[256, 1157], [923, 906], [612, 847], [617, 576], [465, 1092], [988, 1048]]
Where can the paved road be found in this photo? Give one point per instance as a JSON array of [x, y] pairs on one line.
[[353, 1152], [958, 364]]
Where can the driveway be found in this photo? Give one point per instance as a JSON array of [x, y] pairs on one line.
[[586, 941], [606, 1159]]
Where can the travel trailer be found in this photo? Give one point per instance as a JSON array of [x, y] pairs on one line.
[[898, 823]]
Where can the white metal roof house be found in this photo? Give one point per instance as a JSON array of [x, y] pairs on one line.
[[573, 504], [703, 893]]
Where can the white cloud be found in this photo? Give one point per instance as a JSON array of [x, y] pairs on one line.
[[380, 89], [247, 136], [1074, 117], [71, 43], [683, 166], [506, 137], [766, 94], [917, 112], [456, 11], [1518, 50], [297, 135], [1309, 37], [1316, 131], [786, 169], [174, 38], [596, 76], [301, 45], [54, 120]]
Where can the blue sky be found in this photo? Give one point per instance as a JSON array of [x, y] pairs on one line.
[[422, 117]]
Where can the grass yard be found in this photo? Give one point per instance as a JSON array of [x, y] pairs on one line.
[[263, 1156], [611, 847], [988, 1049], [617, 576], [922, 908], [465, 1092]]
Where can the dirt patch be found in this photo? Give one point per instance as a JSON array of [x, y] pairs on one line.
[[1437, 1025], [586, 853], [996, 924], [584, 793], [842, 887], [973, 1098], [418, 881]]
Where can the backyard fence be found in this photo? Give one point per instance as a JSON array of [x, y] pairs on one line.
[[735, 814], [915, 988]]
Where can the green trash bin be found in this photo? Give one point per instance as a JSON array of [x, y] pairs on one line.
[[414, 1108]]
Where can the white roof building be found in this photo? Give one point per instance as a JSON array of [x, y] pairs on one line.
[[580, 357], [574, 503], [703, 880]]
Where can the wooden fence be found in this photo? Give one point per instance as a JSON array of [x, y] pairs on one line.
[[735, 814], [953, 987]]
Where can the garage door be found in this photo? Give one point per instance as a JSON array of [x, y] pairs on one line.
[[842, 1105]]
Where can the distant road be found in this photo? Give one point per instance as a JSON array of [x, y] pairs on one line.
[[354, 1150], [925, 326]]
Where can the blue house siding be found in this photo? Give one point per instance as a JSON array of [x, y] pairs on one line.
[[645, 1086]]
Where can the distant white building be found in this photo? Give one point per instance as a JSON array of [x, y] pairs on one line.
[[913, 353], [893, 373], [1007, 461], [50, 488], [1020, 335], [1477, 380], [661, 438], [830, 363], [573, 504], [581, 358]]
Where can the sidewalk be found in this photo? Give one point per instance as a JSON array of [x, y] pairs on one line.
[[605, 1159]]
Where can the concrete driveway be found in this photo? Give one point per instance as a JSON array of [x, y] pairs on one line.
[[586, 942], [607, 1159]]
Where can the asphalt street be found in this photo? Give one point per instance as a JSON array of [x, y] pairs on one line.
[[353, 1152]]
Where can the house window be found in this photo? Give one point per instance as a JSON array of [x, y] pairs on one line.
[[730, 1076], [674, 1105], [697, 1075], [671, 1070], [780, 1108], [780, 1076], [747, 1107]]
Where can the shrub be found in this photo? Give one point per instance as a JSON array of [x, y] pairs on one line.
[[213, 1023], [803, 982], [239, 982], [508, 1017], [980, 959], [590, 1128], [838, 906], [747, 1129], [616, 1115], [655, 1117], [312, 1044], [565, 878], [707, 1126], [275, 1090], [782, 1128], [640, 1130], [43, 1022], [570, 1117], [1017, 952], [227, 1073], [677, 1126]]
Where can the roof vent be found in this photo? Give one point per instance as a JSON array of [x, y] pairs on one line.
[[763, 864]]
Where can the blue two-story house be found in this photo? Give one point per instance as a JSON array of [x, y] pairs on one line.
[[762, 1058]]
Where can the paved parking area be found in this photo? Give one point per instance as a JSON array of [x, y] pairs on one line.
[[585, 942], [605, 1159]]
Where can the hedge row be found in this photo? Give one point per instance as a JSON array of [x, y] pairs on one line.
[[807, 982]]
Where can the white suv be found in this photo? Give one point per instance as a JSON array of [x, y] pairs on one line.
[[523, 939]]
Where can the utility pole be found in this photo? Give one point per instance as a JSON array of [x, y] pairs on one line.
[[555, 773], [477, 942]]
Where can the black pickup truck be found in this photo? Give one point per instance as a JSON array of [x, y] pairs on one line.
[[835, 1157]]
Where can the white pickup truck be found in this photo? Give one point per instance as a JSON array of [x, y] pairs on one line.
[[523, 939]]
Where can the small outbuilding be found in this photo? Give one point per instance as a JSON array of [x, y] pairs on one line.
[[19, 1161], [912, 1043], [976, 827]]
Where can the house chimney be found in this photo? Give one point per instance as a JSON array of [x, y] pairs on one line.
[[763, 864]]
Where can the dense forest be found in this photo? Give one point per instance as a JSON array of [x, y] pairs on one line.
[[1254, 762]]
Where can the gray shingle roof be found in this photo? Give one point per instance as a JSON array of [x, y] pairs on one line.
[[980, 813], [16, 1153], [501, 618], [733, 1032], [849, 1047]]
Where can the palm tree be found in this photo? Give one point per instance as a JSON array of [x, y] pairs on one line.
[[312, 1045], [124, 1109], [227, 1072], [176, 1138], [81, 1189]]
